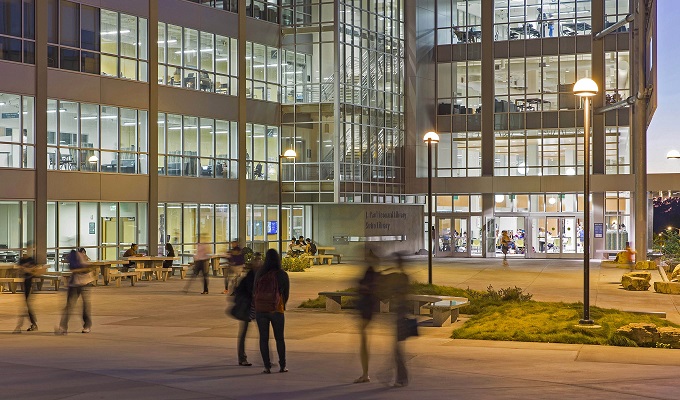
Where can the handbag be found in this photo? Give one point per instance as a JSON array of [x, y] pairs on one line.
[[406, 327], [240, 310]]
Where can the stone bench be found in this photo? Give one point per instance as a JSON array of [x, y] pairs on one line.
[[118, 277], [638, 281], [336, 256], [334, 301], [446, 312]]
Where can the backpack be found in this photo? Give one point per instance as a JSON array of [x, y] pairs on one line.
[[312, 249], [267, 297]]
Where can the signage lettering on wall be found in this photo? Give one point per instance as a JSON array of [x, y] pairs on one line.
[[383, 219]]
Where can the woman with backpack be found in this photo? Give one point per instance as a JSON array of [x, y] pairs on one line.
[[270, 296]]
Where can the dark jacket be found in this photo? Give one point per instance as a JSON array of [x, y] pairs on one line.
[[244, 290]]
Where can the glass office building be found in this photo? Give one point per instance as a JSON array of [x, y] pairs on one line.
[[163, 121]]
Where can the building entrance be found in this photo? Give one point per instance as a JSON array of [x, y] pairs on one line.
[[556, 236], [453, 237]]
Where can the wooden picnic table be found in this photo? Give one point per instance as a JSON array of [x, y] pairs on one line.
[[105, 267], [215, 262], [150, 264]]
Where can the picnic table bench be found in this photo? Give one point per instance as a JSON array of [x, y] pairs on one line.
[[320, 259], [181, 268], [445, 312], [334, 301], [118, 276]]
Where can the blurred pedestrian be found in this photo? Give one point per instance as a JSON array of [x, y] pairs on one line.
[[237, 262], [243, 309], [28, 270], [81, 276], [272, 288], [399, 285], [505, 245], [169, 252], [200, 266], [367, 303]]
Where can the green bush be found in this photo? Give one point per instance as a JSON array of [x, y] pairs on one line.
[[295, 264]]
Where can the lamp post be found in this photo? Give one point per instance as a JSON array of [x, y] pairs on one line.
[[586, 88], [429, 138], [289, 154]]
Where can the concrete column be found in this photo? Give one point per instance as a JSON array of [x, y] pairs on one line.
[[487, 89], [152, 142], [598, 138], [40, 236], [242, 116], [639, 127], [488, 249]]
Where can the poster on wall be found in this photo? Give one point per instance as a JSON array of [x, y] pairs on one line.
[[91, 228], [598, 230], [272, 227]]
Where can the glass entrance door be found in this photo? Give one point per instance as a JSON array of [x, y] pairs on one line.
[[453, 237], [444, 237], [555, 236]]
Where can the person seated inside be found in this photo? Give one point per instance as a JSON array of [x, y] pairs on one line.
[[311, 247], [131, 252], [291, 246], [83, 254], [169, 252]]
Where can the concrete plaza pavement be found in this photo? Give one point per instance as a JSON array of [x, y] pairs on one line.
[[152, 341]]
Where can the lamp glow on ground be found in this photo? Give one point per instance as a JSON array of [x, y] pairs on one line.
[[429, 138], [586, 88], [290, 154]]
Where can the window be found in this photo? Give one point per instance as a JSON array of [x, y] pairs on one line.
[[197, 147], [533, 20], [96, 41], [17, 136], [16, 229], [17, 22], [90, 137], [196, 60]]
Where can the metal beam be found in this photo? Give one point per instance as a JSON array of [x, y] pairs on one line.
[[629, 18]]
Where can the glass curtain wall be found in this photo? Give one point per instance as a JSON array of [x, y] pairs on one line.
[[262, 152], [96, 41], [92, 137], [17, 131], [308, 93], [17, 22], [183, 224], [459, 21], [197, 60], [371, 43], [197, 147], [534, 19], [227, 5], [104, 229], [617, 216]]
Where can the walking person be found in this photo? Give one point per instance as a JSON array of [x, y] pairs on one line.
[[399, 284], [81, 276], [367, 303], [243, 307], [28, 269], [272, 288], [505, 245], [237, 262], [200, 266]]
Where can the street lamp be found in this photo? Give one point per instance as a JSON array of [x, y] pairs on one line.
[[289, 154], [586, 88], [429, 138]]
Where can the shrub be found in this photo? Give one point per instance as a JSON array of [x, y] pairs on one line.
[[295, 264]]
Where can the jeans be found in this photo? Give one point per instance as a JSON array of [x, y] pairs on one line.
[[241, 346], [71, 298], [277, 321], [200, 267], [28, 287]]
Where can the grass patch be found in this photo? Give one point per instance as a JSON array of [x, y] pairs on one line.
[[533, 321]]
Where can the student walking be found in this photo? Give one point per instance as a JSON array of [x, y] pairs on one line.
[[28, 270], [81, 276], [200, 267], [367, 303], [243, 307], [272, 288], [237, 262]]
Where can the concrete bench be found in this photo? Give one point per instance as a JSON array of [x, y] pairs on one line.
[[336, 256], [320, 259], [334, 301], [118, 277], [445, 312]]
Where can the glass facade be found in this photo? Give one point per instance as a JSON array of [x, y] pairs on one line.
[[197, 60], [104, 229], [96, 41], [17, 131], [92, 137], [262, 72], [16, 228], [197, 147], [531, 19], [17, 22]]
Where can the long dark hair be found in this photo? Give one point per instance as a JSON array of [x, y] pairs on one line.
[[170, 252], [272, 261]]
